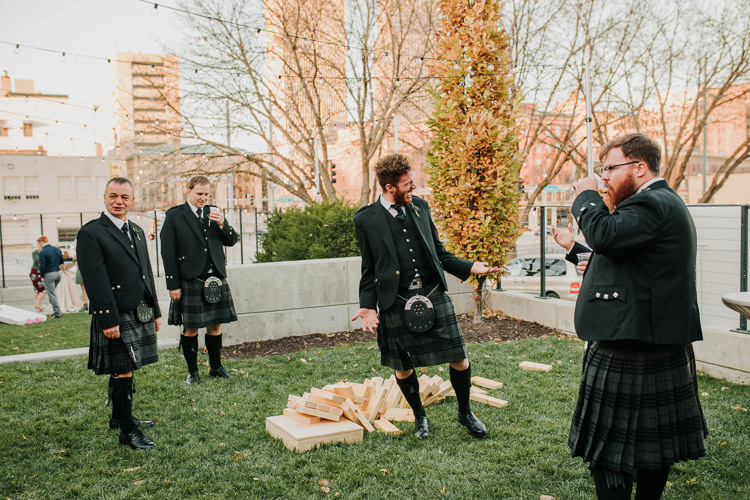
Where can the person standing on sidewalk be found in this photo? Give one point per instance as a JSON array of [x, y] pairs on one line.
[[50, 262], [125, 316], [193, 238]]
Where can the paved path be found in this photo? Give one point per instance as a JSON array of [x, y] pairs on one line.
[[78, 352]]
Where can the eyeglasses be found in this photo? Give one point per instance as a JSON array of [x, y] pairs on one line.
[[608, 168]]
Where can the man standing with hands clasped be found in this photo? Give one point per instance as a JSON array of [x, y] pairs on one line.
[[638, 410], [193, 239], [402, 275], [125, 316]]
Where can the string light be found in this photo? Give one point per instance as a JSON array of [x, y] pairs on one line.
[[155, 12], [17, 50]]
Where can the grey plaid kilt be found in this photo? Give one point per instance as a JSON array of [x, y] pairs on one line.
[[194, 312], [402, 349], [107, 356], [638, 409]]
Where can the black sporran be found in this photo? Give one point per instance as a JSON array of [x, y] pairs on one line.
[[212, 290], [419, 314], [144, 312]]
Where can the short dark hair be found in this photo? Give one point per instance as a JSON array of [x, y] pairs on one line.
[[119, 180], [198, 180], [636, 146], [389, 169]]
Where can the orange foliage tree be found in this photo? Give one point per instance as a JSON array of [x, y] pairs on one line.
[[473, 161]]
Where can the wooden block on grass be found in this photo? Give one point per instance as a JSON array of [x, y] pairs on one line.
[[486, 383], [375, 402], [385, 426], [477, 390], [483, 398], [330, 395], [300, 437], [361, 419], [538, 367], [301, 417], [399, 414]]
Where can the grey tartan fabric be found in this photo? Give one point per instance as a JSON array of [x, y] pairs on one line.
[[196, 312], [108, 356], [402, 349], [638, 409]]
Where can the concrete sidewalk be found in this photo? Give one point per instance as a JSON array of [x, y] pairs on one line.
[[78, 352]]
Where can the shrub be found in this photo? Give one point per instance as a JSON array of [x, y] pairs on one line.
[[318, 231]]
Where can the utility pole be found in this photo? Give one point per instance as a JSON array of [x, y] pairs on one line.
[[589, 138], [317, 168]]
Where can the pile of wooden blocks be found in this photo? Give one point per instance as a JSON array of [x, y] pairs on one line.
[[312, 418]]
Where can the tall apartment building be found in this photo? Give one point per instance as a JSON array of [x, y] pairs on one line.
[[141, 103]]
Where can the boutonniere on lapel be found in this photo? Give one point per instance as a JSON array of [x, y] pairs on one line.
[[414, 209], [137, 233]]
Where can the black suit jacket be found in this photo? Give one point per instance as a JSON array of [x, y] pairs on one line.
[[185, 245], [640, 281], [116, 272], [380, 268]]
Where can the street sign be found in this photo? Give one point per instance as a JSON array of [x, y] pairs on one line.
[[551, 188]]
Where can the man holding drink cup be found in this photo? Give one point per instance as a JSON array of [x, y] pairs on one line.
[[638, 410], [193, 239]]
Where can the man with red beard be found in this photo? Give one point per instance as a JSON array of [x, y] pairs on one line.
[[403, 261], [638, 410]]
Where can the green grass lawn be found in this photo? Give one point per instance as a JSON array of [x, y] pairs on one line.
[[211, 439], [71, 330]]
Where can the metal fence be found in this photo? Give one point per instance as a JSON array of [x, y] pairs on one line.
[[722, 259], [18, 234]]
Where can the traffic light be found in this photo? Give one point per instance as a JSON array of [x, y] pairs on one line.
[[333, 173], [521, 187]]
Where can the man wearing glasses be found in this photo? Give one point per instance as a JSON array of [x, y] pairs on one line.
[[638, 410]]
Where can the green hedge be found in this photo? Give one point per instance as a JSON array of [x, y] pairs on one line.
[[319, 231]]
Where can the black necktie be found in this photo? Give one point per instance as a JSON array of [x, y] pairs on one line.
[[125, 230], [400, 216], [199, 213]]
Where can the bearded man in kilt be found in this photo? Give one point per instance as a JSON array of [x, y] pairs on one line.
[[638, 410], [193, 238], [403, 261], [125, 316]]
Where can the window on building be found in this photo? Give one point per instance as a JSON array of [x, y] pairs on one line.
[[64, 189], [12, 188], [3, 131], [32, 188], [28, 130]]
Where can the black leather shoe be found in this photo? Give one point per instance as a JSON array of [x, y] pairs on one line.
[[115, 424], [193, 378], [421, 427], [475, 426], [136, 440], [218, 372]]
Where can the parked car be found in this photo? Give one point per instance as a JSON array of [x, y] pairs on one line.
[[562, 279]]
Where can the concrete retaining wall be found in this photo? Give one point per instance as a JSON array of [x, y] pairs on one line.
[[722, 353]]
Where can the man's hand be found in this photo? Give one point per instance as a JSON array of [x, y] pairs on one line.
[[481, 268], [582, 265], [112, 332], [157, 323], [586, 184], [217, 216], [369, 319], [564, 238], [175, 294]]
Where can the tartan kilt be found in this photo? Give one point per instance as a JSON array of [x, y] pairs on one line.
[[194, 312], [402, 349], [36, 281], [638, 409], [107, 356]]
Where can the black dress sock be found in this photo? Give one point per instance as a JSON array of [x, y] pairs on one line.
[[651, 483], [410, 389], [213, 346], [122, 403], [461, 382], [190, 351], [609, 488]]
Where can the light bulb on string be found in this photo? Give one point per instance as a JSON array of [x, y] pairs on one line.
[[17, 50], [155, 11], [62, 57]]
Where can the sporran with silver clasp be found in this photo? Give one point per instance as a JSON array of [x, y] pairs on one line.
[[144, 312], [419, 313], [212, 290]]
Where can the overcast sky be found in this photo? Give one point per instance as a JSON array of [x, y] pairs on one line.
[[98, 28]]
